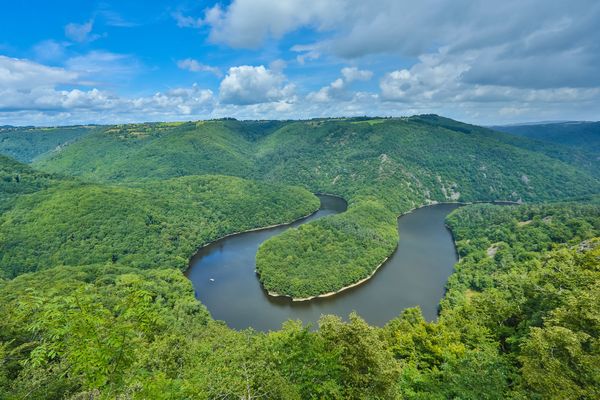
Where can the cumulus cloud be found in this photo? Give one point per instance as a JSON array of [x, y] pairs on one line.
[[438, 79], [20, 74], [26, 86], [354, 74], [246, 23], [336, 90], [247, 84], [192, 65], [184, 101], [519, 43]]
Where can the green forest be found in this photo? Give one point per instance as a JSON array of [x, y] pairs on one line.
[[153, 224], [521, 323], [96, 230], [363, 161]]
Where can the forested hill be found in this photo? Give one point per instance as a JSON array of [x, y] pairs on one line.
[[577, 134], [27, 143], [17, 178], [520, 322], [99, 309], [383, 167], [404, 161]]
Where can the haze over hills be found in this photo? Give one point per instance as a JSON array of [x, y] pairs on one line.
[[26, 143], [580, 135]]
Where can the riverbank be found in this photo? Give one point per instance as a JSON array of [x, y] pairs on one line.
[[262, 228], [329, 294], [225, 280], [362, 281]]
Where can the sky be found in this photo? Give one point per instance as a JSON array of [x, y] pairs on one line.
[[479, 61]]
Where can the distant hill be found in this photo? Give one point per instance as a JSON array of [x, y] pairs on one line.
[[17, 178], [155, 224], [404, 162], [25, 144], [580, 135]]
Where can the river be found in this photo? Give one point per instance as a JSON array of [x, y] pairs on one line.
[[415, 275]]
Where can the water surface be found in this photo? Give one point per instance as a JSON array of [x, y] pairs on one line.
[[415, 275]]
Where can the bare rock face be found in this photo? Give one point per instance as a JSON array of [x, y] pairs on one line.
[[588, 245]]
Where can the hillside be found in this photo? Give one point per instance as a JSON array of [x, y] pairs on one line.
[[17, 178], [579, 135], [154, 225], [425, 158], [398, 163], [25, 144], [522, 323]]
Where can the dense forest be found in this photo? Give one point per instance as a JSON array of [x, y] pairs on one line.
[[576, 143], [94, 235], [364, 160], [291, 263], [520, 321], [25, 144], [576, 135], [17, 178], [153, 224]]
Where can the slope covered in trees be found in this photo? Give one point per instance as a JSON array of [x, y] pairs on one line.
[[411, 160], [518, 322], [400, 163], [293, 264], [577, 134], [576, 143], [155, 224], [17, 178], [26, 144]]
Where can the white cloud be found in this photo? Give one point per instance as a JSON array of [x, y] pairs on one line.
[[104, 67], [354, 74], [26, 86], [436, 81], [81, 33], [246, 23], [50, 50], [184, 101], [307, 53], [251, 85], [19, 74], [519, 43], [192, 65], [336, 90]]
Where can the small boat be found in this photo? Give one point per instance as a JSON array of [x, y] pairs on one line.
[[211, 279]]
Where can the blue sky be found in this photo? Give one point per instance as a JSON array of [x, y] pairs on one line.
[[486, 62]]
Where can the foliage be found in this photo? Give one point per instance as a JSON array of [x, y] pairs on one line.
[[17, 179], [528, 276], [26, 144], [69, 329], [576, 135], [329, 254], [520, 318], [104, 331], [149, 225], [401, 163]]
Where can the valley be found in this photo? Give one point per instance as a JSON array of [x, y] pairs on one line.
[[95, 238]]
